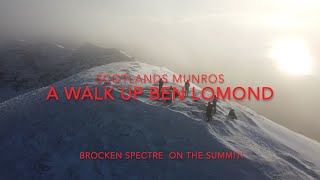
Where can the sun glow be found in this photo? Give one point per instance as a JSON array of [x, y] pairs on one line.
[[292, 56]]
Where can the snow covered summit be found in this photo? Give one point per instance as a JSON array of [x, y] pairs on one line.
[[42, 140]]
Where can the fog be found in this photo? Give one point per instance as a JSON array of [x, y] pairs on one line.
[[230, 37]]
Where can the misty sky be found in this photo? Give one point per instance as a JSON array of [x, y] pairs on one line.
[[192, 36]]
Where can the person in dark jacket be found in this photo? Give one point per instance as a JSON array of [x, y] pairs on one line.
[[232, 114], [186, 88], [160, 86], [214, 104], [169, 95], [209, 112]]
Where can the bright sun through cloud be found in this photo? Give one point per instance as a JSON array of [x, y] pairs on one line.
[[291, 55]]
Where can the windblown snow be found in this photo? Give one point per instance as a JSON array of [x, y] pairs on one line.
[[42, 140]]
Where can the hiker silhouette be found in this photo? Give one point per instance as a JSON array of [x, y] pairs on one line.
[[169, 95], [186, 87], [209, 112], [160, 86], [214, 104]]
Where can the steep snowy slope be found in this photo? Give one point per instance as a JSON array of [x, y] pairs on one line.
[[42, 140]]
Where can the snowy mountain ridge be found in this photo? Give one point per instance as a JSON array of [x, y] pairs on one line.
[[42, 140], [25, 66]]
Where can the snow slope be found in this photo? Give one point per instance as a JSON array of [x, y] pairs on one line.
[[42, 140]]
